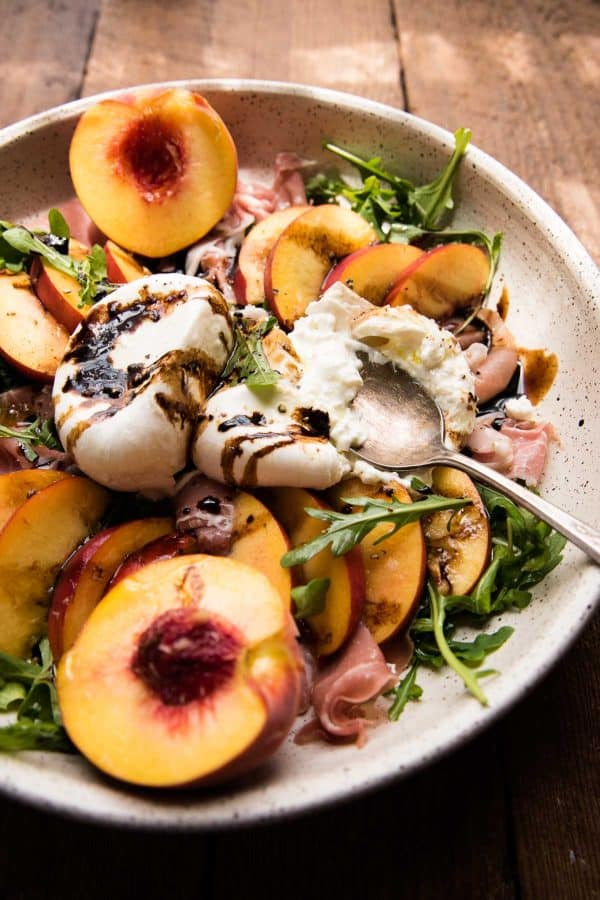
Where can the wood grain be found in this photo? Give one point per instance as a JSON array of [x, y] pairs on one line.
[[524, 76], [43, 51], [348, 45], [514, 814]]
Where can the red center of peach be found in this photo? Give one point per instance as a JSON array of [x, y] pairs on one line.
[[182, 659], [152, 153]]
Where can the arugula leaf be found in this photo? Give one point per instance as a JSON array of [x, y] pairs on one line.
[[26, 734], [58, 224], [438, 614], [309, 599], [405, 690], [248, 361], [90, 272], [11, 259], [432, 200], [422, 205], [27, 243], [10, 693], [38, 432], [348, 529], [38, 725]]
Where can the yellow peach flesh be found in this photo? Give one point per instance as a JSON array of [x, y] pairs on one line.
[[125, 728], [147, 201]]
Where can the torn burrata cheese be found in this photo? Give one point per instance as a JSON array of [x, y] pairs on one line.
[[302, 430], [135, 378]]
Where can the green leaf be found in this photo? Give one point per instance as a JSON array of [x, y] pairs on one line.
[[30, 436], [25, 242], [405, 690], [309, 599], [432, 200], [10, 694], [438, 613], [345, 530], [247, 361], [31, 735], [58, 224]]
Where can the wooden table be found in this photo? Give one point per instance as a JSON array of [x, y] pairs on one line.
[[515, 814]]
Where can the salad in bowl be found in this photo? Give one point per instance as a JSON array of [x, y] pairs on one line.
[[194, 554]]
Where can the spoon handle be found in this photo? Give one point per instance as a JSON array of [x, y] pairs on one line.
[[579, 533]]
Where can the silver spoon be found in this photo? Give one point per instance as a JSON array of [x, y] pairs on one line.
[[406, 431]]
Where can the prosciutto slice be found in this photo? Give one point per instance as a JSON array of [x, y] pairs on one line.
[[359, 674], [518, 449], [204, 508], [253, 201], [28, 400], [530, 442]]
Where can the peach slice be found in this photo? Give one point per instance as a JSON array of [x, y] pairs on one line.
[[166, 547], [18, 487], [60, 292], [458, 541], [86, 574], [305, 252], [34, 544], [121, 266], [30, 338], [443, 280], [345, 597], [154, 170], [372, 271], [257, 540], [186, 673], [260, 541], [394, 569], [249, 280]]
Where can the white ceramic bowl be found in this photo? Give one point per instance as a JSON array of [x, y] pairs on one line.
[[554, 292]]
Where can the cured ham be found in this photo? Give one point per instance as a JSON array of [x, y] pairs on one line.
[[359, 674], [493, 373], [253, 201], [530, 442], [517, 449], [204, 508]]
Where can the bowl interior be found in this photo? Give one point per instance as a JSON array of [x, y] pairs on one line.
[[551, 283]]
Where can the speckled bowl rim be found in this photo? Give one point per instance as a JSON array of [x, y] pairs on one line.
[[570, 251]]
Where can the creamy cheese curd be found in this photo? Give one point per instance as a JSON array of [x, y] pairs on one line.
[[135, 377], [277, 437]]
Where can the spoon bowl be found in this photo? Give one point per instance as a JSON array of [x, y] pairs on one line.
[[406, 431]]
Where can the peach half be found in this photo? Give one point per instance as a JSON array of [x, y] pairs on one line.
[[186, 673], [34, 544], [86, 574], [346, 594], [372, 271], [394, 568], [154, 170], [305, 252], [31, 339]]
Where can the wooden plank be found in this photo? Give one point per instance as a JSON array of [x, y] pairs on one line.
[[44, 858], [43, 51], [441, 834], [552, 743], [346, 45], [524, 76]]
